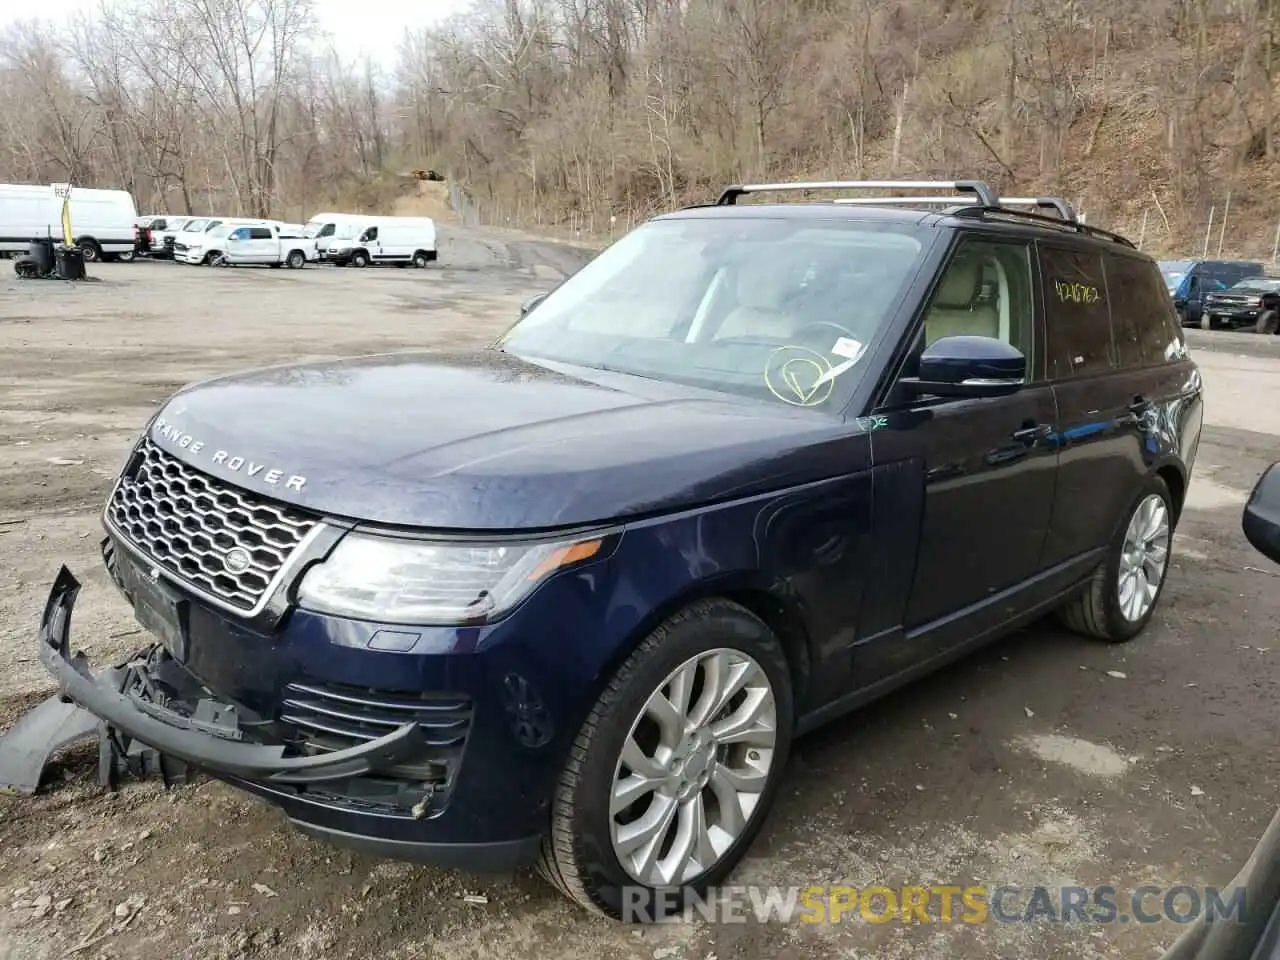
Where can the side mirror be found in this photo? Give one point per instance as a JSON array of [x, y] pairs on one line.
[[527, 307], [969, 367], [1261, 521]]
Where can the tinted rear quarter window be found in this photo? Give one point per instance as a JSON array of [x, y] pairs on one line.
[[259, 233], [1077, 317], [1144, 323]]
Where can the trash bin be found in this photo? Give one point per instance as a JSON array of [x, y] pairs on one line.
[[70, 263], [41, 251]]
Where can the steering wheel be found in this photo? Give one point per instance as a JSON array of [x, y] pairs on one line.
[[799, 333]]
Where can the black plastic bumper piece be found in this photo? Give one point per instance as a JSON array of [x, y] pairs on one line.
[[175, 735], [495, 857]]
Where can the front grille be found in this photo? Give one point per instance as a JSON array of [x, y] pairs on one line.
[[187, 522], [333, 717]]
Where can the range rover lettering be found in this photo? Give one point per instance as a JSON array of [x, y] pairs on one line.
[[568, 599]]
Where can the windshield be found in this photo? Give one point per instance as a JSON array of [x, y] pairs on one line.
[[348, 231], [1256, 285], [1173, 271], [220, 231], [194, 226], [776, 309], [313, 228]]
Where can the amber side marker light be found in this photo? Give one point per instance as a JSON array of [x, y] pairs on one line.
[[566, 556]]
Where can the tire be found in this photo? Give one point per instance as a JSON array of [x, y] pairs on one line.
[[128, 256], [578, 853], [359, 259], [90, 250], [215, 260], [420, 260], [1206, 321], [1267, 322], [296, 260], [1097, 610]]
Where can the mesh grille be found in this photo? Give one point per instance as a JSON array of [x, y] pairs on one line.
[[187, 523]]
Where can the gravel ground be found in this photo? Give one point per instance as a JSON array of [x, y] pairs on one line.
[[1045, 759]]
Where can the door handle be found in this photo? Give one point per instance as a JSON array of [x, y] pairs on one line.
[[1033, 433], [1137, 411]]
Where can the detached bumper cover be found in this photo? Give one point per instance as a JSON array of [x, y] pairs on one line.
[[215, 747]]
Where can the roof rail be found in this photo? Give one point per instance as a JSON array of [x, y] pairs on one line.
[[1074, 226], [988, 202], [1057, 204], [982, 191]]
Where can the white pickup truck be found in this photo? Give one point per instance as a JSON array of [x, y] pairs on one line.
[[275, 244]]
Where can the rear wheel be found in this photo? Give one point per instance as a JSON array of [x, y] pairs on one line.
[[1123, 591], [89, 250], [127, 256], [420, 260], [675, 768]]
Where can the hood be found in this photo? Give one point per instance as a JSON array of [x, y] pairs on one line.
[[487, 441]]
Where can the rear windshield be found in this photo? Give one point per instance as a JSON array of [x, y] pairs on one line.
[[777, 309]]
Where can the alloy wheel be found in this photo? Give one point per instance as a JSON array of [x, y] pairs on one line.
[[693, 768], [1144, 558]]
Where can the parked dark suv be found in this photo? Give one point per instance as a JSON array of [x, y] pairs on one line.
[[1189, 282], [570, 598]]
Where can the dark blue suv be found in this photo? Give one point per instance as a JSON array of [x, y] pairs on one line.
[[570, 598]]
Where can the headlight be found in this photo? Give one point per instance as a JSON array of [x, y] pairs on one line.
[[417, 582]]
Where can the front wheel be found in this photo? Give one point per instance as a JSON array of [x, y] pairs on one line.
[[1267, 322], [127, 256], [359, 259], [295, 260], [1206, 321], [216, 260], [675, 768], [1123, 591]]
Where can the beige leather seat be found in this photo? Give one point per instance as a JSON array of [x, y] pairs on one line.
[[954, 312], [758, 311]]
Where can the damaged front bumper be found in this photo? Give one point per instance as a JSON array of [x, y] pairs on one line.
[[210, 738], [376, 797]]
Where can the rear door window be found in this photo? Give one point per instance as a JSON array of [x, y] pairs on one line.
[[1145, 324], [1077, 313]]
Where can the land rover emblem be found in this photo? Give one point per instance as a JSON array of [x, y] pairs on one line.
[[237, 560]]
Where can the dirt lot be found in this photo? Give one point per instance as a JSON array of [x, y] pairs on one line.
[[1046, 759]]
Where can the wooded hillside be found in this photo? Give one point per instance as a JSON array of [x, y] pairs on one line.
[[561, 114]]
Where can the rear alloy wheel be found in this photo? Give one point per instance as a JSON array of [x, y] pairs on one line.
[[295, 260], [420, 260], [675, 768], [1266, 322], [90, 250], [1123, 592]]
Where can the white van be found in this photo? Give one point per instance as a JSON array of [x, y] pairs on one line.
[[379, 240], [102, 221], [323, 226]]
